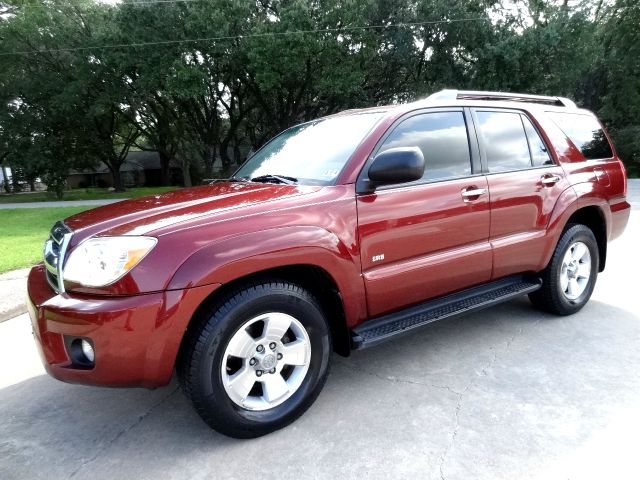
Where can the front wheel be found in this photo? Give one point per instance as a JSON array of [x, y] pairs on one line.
[[569, 279], [257, 360]]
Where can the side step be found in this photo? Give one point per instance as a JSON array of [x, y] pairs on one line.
[[388, 326]]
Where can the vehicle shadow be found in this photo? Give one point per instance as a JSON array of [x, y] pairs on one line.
[[55, 430]]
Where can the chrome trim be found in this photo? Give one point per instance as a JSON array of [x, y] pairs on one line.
[[51, 256], [54, 254], [63, 251], [448, 95], [551, 180], [474, 193]]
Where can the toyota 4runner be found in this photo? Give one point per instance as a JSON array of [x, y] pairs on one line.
[[336, 235]]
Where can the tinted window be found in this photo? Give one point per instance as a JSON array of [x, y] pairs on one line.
[[443, 139], [585, 132], [504, 140], [313, 152], [539, 153]]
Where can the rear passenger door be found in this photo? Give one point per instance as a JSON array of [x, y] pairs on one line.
[[426, 238], [524, 185]]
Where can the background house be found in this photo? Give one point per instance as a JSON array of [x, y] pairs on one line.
[[140, 169]]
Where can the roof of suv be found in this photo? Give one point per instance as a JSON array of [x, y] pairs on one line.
[[501, 96], [473, 98]]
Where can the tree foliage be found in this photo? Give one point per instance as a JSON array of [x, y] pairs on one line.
[[201, 82]]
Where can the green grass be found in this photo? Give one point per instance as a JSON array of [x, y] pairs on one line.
[[82, 194], [24, 231]]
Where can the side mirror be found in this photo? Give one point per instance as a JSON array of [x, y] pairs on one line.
[[396, 165]]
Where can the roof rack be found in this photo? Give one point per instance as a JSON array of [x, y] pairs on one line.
[[497, 96]]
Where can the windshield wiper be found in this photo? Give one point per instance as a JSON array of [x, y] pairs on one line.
[[238, 179], [275, 178]]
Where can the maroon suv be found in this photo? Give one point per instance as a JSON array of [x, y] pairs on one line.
[[338, 234]]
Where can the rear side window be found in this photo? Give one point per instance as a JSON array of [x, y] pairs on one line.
[[585, 132], [539, 153], [505, 141], [443, 139]]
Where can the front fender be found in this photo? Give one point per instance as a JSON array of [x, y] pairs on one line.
[[233, 258]]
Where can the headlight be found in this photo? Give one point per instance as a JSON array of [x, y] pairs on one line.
[[103, 260]]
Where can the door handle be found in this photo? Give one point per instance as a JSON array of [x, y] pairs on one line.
[[475, 192], [549, 180]]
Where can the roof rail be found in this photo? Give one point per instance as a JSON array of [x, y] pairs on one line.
[[497, 96]]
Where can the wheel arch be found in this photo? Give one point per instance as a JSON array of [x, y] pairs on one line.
[[593, 217], [312, 278]]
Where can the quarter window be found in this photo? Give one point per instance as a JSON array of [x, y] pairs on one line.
[[505, 141], [443, 139], [539, 153], [585, 132]]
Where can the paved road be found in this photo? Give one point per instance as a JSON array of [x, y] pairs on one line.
[[508, 393], [64, 203]]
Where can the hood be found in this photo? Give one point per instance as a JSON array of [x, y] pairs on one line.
[[143, 215]]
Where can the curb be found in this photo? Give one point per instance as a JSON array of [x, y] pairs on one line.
[[13, 312], [13, 293]]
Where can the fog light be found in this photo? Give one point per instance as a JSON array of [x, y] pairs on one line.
[[87, 350], [81, 352]]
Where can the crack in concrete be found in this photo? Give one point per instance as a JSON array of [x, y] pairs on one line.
[[472, 382], [123, 432], [454, 434], [395, 380]]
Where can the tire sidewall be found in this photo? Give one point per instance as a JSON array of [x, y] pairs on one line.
[[263, 300]]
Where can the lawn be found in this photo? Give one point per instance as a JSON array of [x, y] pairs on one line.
[[24, 231], [82, 194]]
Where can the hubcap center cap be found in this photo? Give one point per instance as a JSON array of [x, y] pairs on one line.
[[268, 361]]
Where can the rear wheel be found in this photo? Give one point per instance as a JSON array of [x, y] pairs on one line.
[[569, 279], [257, 360]]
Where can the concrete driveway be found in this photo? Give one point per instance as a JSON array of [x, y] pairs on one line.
[[509, 393]]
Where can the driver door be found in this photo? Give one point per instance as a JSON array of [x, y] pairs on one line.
[[427, 238]]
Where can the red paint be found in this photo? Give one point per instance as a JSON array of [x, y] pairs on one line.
[[136, 337], [434, 242]]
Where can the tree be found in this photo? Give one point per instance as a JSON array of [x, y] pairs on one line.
[[40, 125], [196, 81], [621, 102], [65, 82]]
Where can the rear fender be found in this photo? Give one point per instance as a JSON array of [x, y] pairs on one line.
[[566, 205], [579, 196]]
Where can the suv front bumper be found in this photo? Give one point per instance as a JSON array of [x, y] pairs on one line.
[[135, 338]]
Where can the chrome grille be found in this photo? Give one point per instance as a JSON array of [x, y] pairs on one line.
[[54, 253]]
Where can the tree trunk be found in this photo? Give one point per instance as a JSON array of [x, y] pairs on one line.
[[15, 185], [209, 157], [59, 191], [186, 174], [114, 167], [117, 180], [32, 185], [5, 180], [224, 156], [237, 156], [165, 160]]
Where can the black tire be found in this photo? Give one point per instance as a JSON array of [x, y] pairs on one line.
[[199, 366], [551, 297]]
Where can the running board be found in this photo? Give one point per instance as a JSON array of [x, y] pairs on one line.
[[389, 326]]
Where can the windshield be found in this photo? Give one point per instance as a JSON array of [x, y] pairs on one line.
[[313, 153]]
